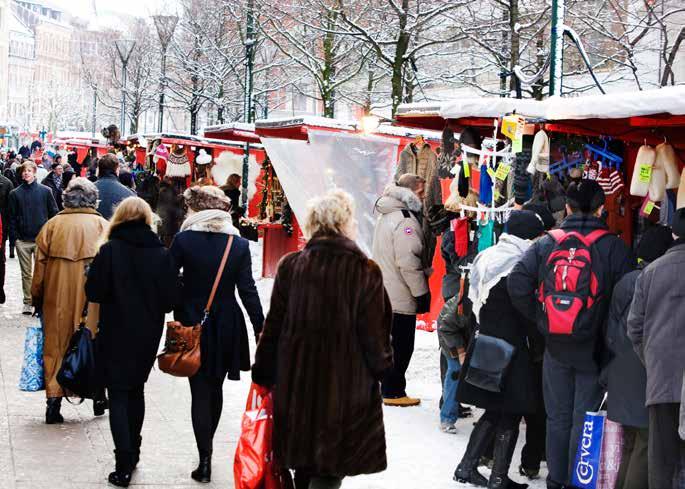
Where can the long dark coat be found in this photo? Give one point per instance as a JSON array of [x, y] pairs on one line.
[[500, 319], [134, 280], [224, 342], [325, 346]]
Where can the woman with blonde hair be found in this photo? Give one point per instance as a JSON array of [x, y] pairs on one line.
[[134, 280], [65, 246], [327, 335]]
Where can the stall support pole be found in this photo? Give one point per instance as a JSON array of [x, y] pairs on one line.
[[557, 47], [95, 108], [248, 102]]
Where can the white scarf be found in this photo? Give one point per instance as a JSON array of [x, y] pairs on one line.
[[210, 221], [491, 265]]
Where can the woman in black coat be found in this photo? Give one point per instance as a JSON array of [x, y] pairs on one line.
[[198, 250], [132, 309], [498, 318]]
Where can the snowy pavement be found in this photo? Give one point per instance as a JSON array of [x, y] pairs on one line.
[[78, 454]]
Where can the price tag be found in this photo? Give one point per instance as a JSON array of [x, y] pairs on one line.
[[645, 173], [502, 171], [492, 173], [649, 206], [467, 169], [517, 145]]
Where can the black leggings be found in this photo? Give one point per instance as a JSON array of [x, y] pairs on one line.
[[207, 404], [126, 415]]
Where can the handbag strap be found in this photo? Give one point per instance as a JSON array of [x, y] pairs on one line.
[[224, 259]]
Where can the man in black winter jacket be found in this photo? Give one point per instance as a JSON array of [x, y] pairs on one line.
[[571, 368], [5, 189], [31, 205]]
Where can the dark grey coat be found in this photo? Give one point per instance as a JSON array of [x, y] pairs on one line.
[[656, 325], [625, 375], [110, 193]]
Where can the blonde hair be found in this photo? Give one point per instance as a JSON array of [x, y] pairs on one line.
[[130, 209], [330, 214]]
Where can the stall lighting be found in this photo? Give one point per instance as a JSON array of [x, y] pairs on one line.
[[370, 124]]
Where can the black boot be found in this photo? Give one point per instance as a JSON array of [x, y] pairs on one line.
[[121, 477], [203, 473], [136, 452], [467, 471], [52, 414], [505, 443], [100, 402]]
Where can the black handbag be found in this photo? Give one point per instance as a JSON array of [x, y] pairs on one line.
[[78, 373], [489, 362]]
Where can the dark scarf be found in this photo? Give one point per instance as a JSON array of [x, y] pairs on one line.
[[135, 233]]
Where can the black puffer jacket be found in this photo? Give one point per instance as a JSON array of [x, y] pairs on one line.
[[614, 261]]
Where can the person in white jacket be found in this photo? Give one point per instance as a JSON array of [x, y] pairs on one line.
[[398, 249]]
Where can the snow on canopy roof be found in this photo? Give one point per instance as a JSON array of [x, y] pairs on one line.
[[238, 126], [389, 130], [668, 100], [307, 120]]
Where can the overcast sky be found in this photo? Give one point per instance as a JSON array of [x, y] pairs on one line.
[[141, 8]]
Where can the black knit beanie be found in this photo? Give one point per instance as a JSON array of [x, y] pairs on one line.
[[654, 243], [543, 213], [524, 224], [678, 226], [585, 195]]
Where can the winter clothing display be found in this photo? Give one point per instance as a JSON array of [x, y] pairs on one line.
[[680, 200], [203, 158], [110, 192], [30, 206], [667, 159], [398, 248], [539, 160], [336, 348], [132, 305], [657, 184], [644, 163], [178, 164], [64, 247], [486, 234]]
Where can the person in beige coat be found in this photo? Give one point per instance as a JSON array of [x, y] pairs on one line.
[[398, 248], [66, 244]]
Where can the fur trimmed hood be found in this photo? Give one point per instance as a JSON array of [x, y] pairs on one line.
[[397, 198]]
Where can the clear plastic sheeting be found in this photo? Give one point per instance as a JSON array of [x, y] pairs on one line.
[[359, 164]]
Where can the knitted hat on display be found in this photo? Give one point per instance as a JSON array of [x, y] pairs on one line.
[[585, 195], [524, 224], [203, 158], [654, 243], [205, 198], [162, 153]]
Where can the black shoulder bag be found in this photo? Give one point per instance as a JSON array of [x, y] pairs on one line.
[[489, 362]]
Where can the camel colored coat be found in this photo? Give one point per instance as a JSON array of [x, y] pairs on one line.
[[66, 244]]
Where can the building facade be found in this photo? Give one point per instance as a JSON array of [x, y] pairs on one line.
[[21, 69], [4, 47]]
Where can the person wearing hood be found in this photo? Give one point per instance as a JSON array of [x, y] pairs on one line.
[[626, 404], [398, 248], [132, 309], [197, 251], [497, 318], [657, 331], [111, 190], [54, 182]]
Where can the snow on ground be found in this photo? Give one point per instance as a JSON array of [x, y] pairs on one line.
[[419, 454]]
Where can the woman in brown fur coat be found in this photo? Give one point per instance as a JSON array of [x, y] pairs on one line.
[[324, 348]]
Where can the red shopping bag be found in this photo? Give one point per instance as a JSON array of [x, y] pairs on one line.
[[253, 466]]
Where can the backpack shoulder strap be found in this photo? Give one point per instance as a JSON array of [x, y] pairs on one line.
[[558, 235], [595, 236], [406, 213]]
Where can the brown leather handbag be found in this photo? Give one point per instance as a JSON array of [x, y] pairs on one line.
[[181, 355]]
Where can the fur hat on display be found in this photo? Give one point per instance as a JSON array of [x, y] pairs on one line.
[[205, 198]]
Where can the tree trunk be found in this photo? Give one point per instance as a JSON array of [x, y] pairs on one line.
[[397, 80], [670, 59], [515, 41]]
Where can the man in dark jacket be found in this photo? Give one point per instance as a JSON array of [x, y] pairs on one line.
[[5, 189], [31, 205], [54, 182], [657, 330], [625, 376], [111, 191], [571, 367]]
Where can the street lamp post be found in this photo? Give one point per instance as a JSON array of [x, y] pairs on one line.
[[249, 85], [125, 49], [165, 25]]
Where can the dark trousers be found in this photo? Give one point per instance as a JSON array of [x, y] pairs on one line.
[[126, 415], [569, 393], [536, 426], [403, 333], [2, 270], [304, 480], [632, 474], [206, 406], [664, 445]]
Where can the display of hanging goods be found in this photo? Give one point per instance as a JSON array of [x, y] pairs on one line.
[[178, 164], [539, 159], [642, 173], [680, 200], [667, 159], [203, 158]]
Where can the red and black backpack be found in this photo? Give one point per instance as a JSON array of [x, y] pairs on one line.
[[570, 288]]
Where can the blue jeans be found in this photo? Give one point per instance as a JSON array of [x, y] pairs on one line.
[[449, 413]]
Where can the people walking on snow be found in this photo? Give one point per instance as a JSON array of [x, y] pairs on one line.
[[64, 247], [324, 349], [498, 319], [132, 308], [625, 377], [574, 351], [657, 331], [30, 206], [198, 250], [111, 191], [398, 248]]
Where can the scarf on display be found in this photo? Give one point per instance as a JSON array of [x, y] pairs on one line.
[[178, 165], [210, 221], [492, 265]]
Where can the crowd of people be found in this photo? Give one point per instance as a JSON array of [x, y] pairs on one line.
[[554, 320]]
